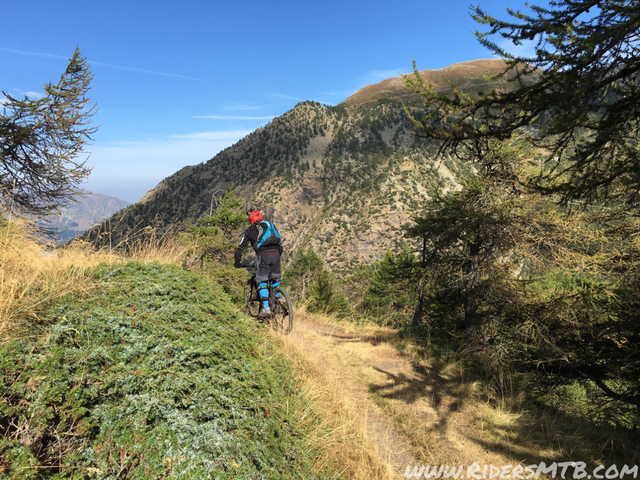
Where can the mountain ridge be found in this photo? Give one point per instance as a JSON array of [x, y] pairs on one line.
[[465, 75], [342, 179], [83, 212]]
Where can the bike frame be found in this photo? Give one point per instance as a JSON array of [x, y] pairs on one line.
[[278, 307], [269, 289]]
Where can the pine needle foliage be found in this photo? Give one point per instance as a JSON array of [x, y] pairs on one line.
[[555, 293], [298, 277], [550, 292], [577, 95], [42, 142], [391, 294], [326, 297], [468, 235], [212, 236], [211, 242]]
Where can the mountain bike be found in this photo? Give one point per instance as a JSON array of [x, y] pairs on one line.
[[281, 318]]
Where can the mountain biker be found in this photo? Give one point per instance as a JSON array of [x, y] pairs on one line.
[[265, 240]]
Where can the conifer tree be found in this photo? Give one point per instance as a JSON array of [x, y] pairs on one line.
[[213, 236], [298, 277], [42, 142], [391, 292], [325, 296], [554, 294], [466, 232], [576, 316], [577, 96]]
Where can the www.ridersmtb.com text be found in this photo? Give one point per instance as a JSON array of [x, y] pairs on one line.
[[563, 470]]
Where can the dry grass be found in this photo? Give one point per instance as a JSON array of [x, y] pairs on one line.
[[338, 428], [408, 416], [33, 273], [149, 247], [437, 399]]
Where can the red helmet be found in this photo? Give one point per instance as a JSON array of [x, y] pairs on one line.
[[255, 216]]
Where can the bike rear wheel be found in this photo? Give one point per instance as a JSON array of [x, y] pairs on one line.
[[251, 298], [282, 311]]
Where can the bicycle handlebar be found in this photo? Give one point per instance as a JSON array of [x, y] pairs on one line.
[[247, 264]]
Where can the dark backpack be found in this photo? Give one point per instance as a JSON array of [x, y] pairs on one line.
[[267, 234]]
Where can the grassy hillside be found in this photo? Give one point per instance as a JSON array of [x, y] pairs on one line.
[[155, 375]]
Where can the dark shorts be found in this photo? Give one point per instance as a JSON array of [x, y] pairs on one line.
[[268, 266]]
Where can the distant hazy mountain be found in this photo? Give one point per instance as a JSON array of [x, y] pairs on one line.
[[87, 210], [343, 179]]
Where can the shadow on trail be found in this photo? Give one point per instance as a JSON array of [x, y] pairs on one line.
[[451, 385], [531, 436], [341, 336]]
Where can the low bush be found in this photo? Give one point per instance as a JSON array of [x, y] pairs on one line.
[[157, 375]]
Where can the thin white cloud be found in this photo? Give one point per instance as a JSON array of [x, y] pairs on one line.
[[141, 70], [288, 97], [31, 95], [339, 93], [228, 135], [40, 54], [21, 93], [235, 117], [244, 107], [34, 95], [129, 169], [109, 65]]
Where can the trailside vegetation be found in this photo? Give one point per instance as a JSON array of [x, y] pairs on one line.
[[539, 255], [212, 239], [212, 236], [312, 284], [42, 142], [577, 95], [156, 375], [299, 275], [391, 291]]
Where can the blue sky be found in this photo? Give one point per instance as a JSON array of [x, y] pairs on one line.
[[178, 81]]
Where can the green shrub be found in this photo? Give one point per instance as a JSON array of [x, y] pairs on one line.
[[158, 375], [325, 297]]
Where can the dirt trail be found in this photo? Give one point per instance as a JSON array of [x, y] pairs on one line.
[[412, 417]]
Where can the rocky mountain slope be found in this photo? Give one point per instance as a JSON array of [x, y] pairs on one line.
[[343, 179]]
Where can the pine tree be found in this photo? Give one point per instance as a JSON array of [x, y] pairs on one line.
[[554, 294], [391, 292], [326, 297], [213, 236], [466, 232], [299, 276], [577, 96], [42, 142], [575, 317]]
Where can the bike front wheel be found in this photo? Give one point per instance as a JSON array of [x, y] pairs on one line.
[[282, 311], [251, 299]]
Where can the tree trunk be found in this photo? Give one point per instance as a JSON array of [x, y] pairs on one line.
[[417, 316], [471, 293]]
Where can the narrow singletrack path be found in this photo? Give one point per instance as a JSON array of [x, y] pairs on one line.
[[412, 416]]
